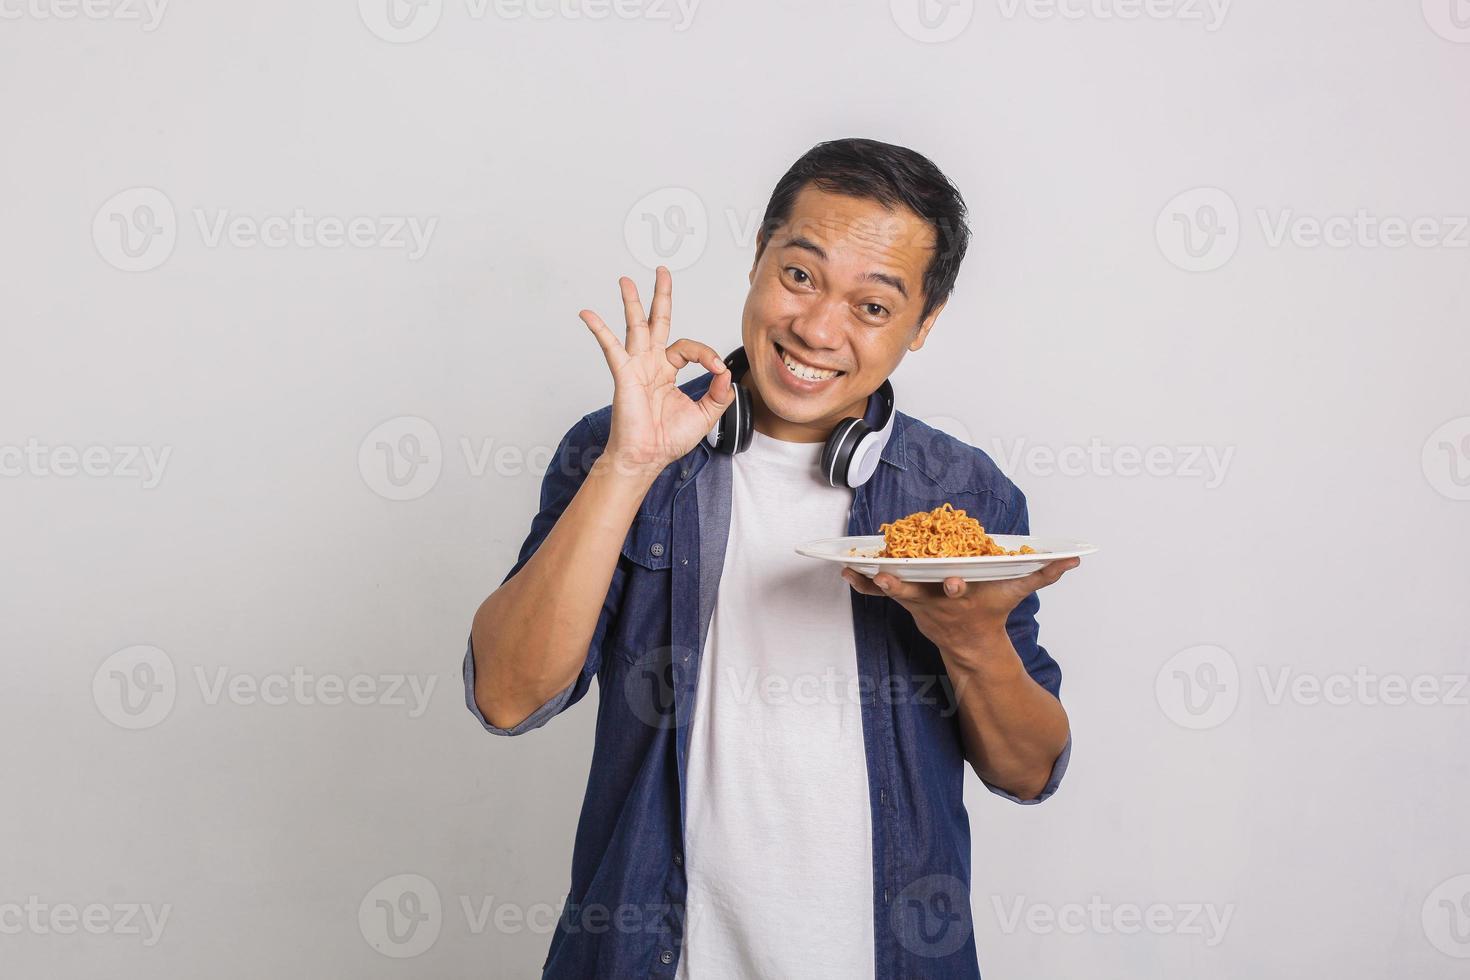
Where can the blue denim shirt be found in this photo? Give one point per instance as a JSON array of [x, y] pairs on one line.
[[625, 911]]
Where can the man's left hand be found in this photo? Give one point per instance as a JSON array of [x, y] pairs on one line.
[[954, 614]]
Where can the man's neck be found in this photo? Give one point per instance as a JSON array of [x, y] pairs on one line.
[[768, 423]]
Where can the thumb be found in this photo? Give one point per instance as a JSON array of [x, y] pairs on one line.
[[718, 397]]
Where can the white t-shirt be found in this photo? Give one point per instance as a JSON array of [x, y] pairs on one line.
[[779, 847]]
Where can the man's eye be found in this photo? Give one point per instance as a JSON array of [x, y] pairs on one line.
[[875, 309], [795, 272]]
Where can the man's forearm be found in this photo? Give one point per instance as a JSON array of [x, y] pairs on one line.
[[1013, 728], [530, 636]]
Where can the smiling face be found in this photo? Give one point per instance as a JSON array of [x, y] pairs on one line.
[[837, 287]]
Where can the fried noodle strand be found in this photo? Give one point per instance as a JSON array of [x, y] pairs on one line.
[[943, 532]]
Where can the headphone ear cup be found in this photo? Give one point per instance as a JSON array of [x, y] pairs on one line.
[[732, 433], [744, 420], [864, 459], [837, 453]]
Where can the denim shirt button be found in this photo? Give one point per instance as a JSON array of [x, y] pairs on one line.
[[666, 957], [656, 549], [684, 473], [678, 859]]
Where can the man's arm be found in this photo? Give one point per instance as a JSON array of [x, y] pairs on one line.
[[1013, 729], [530, 636], [1015, 733]]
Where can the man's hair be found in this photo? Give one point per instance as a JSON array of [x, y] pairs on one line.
[[891, 175]]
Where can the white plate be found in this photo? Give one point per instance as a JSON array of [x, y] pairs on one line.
[[982, 569]]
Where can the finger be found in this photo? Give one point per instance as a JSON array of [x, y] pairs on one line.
[[717, 398], [612, 349], [896, 588], [860, 582], [685, 351], [1048, 573], [663, 307], [1054, 570], [954, 587], [633, 316]]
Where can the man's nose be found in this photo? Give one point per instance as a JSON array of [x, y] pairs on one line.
[[821, 326]]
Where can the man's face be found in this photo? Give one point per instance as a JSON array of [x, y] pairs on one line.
[[839, 286]]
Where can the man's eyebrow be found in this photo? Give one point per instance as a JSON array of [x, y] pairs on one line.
[[884, 278]]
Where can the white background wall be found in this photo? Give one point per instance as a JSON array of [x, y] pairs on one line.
[[1327, 546]]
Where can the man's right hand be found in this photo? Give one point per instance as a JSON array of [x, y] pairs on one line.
[[653, 422]]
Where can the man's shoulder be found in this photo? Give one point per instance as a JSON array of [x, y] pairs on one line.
[[950, 463]]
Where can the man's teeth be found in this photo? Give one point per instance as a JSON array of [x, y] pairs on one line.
[[806, 372]]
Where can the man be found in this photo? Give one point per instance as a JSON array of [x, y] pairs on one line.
[[776, 785]]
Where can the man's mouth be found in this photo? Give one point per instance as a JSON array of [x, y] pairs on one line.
[[804, 370]]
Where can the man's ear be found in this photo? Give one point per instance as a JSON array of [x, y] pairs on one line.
[[924, 327], [760, 247]]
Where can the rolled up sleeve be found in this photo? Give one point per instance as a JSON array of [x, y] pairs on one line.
[[578, 449], [1024, 632]]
